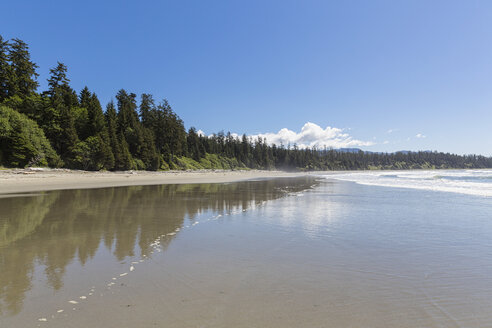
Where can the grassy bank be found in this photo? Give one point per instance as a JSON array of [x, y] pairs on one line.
[[209, 162]]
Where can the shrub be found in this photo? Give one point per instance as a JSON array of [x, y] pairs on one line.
[[23, 143]]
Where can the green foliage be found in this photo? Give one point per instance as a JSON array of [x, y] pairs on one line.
[[21, 76], [196, 150], [58, 79], [68, 139], [4, 69], [22, 142], [169, 132], [90, 154], [152, 138], [125, 160], [208, 162]]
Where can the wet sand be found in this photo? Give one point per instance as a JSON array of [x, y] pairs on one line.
[[30, 180], [287, 252]]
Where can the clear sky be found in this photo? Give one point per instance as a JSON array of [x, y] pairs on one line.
[[383, 75]]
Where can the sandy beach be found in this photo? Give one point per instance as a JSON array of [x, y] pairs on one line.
[[41, 179]]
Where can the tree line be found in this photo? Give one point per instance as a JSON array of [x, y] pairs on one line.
[[59, 127]]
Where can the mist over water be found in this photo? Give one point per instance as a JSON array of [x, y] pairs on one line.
[[271, 253], [470, 182]]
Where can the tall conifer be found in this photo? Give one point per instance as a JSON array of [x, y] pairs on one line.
[[4, 69], [22, 73]]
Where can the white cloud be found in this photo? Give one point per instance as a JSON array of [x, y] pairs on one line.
[[312, 135], [386, 142], [200, 133], [420, 136]]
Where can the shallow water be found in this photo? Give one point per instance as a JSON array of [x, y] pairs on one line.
[[470, 182], [269, 253]]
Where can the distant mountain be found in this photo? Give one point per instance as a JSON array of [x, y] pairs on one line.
[[349, 150]]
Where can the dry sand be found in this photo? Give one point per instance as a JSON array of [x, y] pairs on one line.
[[37, 179]]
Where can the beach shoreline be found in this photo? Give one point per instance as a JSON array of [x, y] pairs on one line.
[[43, 179]]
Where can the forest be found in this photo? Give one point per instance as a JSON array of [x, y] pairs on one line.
[[61, 127]]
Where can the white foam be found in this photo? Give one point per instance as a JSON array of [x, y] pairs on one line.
[[470, 182]]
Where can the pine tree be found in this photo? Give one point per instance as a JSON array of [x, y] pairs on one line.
[[169, 132], [58, 79], [4, 69], [85, 97], [95, 116], [128, 122], [22, 73], [147, 111], [97, 128], [195, 148], [114, 141], [148, 153], [126, 160], [68, 139], [127, 114]]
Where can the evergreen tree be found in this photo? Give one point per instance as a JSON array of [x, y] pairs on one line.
[[58, 79], [195, 148], [147, 111], [95, 115], [22, 74], [112, 126], [126, 160], [127, 114], [4, 69], [87, 138], [128, 122], [68, 139], [170, 132], [148, 153]]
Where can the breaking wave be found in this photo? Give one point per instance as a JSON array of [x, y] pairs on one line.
[[470, 182]]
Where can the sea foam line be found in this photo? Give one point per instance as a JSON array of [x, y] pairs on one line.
[[474, 182]]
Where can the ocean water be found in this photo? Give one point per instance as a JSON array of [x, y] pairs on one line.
[[471, 182], [303, 252]]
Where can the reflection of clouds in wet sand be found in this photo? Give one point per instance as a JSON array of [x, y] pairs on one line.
[[323, 211], [132, 223]]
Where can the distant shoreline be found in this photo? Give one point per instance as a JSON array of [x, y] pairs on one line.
[[33, 180]]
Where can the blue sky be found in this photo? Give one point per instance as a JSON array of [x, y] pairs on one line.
[[383, 75]]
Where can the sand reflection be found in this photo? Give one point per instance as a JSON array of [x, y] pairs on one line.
[[53, 229]]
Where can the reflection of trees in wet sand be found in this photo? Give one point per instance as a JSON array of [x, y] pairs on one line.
[[57, 227]]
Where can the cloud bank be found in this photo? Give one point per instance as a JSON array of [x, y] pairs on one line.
[[312, 135]]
